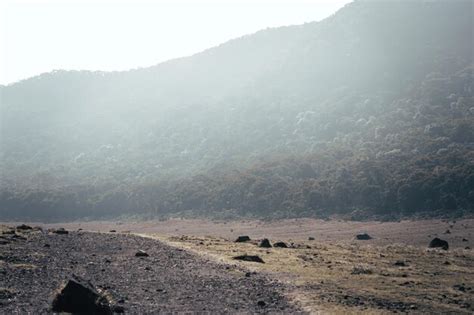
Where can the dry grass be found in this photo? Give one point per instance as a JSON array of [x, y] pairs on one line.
[[351, 278]]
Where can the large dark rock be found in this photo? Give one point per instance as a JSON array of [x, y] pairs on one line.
[[80, 297], [252, 258], [243, 238], [363, 237], [265, 243], [438, 243], [280, 244]]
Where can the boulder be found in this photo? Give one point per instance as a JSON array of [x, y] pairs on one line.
[[265, 243], [79, 297], [252, 258], [310, 238], [363, 237], [438, 243], [280, 244], [243, 238]]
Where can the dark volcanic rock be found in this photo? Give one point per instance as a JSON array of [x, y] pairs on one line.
[[280, 244], [363, 237], [310, 238], [438, 243], [169, 287], [265, 243], [400, 263], [79, 296], [60, 231], [242, 239], [24, 227], [141, 253], [252, 258]]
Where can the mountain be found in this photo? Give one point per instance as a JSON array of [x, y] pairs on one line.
[[369, 112]]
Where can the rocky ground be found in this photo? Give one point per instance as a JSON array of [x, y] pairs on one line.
[[35, 264], [459, 233]]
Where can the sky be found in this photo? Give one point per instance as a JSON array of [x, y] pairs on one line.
[[38, 36]]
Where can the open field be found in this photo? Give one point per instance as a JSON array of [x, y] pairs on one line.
[[350, 278], [415, 233], [334, 273]]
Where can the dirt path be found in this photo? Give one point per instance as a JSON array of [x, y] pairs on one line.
[[169, 280]]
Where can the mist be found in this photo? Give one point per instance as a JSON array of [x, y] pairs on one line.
[[218, 147]]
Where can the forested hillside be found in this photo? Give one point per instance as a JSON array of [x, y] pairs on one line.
[[369, 112]]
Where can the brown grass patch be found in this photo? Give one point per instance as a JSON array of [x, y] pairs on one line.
[[342, 278]]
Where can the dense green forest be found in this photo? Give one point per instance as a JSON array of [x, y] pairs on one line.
[[368, 113]]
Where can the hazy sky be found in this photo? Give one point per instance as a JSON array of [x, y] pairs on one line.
[[42, 35]]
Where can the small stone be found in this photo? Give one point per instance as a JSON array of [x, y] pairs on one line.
[[141, 253], [242, 239], [438, 243], [60, 231], [24, 227], [265, 243], [280, 245], [251, 258], [363, 237], [311, 238]]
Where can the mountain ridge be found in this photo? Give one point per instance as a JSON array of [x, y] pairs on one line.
[[385, 84]]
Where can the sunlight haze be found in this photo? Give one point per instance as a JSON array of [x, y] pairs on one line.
[[41, 36]]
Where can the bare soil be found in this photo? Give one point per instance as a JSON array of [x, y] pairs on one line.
[[414, 233]]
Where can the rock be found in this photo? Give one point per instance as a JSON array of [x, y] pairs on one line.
[[465, 240], [311, 238], [252, 258], [60, 231], [447, 232], [243, 238], [141, 253], [112, 231], [363, 237], [438, 243], [79, 296], [265, 243], [460, 287], [467, 247], [261, 303], [280, 244], [24, 227], [47, 245], [400, 263]]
